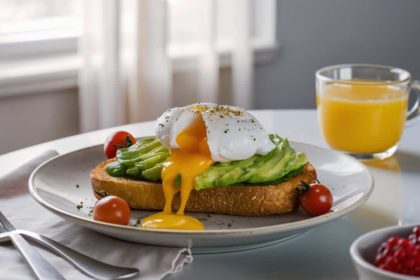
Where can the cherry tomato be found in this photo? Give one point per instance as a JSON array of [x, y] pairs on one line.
[[112, 209], [117, 140], [315, 199]]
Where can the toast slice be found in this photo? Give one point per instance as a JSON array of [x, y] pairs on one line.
[[241, 200]]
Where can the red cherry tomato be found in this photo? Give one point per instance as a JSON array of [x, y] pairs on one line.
[[315, 199], [112, 209], [117, 140]]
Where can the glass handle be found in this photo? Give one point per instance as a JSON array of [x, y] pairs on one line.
[[415, 109]]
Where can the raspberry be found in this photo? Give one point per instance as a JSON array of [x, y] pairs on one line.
[[415, 235], [400, 255], [416, 271], [392, 241], [416, 231], [403, 242], [409, 264]]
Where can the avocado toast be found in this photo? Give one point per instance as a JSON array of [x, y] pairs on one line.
[[258, 186]]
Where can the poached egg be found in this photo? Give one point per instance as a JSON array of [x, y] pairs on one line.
[[197, 136]]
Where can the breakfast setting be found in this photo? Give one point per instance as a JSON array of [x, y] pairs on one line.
[[166, 139]]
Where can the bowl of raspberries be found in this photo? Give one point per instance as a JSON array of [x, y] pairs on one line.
[[388, 253]]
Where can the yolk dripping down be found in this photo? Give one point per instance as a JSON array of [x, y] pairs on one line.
[[188, 161]]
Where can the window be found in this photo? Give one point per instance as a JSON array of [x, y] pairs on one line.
[[27, 25], [183, 29], [38, 42], [38, 39]]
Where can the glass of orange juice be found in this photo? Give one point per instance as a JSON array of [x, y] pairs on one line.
[[362, 109]]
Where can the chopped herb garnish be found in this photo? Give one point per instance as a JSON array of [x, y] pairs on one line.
[[80, 205]]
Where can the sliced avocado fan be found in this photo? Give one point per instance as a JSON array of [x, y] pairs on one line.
[[144, 160]]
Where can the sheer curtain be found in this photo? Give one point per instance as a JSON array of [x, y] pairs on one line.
[[127, 72]]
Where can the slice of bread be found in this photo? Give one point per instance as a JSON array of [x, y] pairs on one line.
[[242, 200]]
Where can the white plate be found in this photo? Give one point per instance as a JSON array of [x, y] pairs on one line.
[[63, 182]]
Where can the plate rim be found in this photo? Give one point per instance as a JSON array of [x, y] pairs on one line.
[[290, 226]]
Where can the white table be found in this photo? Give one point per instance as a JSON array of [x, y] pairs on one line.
[[321, 253]]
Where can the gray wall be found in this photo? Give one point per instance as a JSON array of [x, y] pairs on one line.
[[317, 33], [35, 118]]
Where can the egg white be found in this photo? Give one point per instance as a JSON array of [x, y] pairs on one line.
[[232, 132]]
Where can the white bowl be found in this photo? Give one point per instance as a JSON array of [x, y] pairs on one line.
[[363, 252]]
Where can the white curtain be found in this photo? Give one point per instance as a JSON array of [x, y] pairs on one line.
[[242, 56], [127, 74]]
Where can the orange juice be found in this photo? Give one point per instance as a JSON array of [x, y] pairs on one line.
[[362, 116]]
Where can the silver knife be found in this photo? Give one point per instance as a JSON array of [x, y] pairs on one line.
[[41, 268], [87, 265]]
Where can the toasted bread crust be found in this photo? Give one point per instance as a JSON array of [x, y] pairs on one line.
[[232, 200]]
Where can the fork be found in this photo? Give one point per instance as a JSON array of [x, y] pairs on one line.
[[87, 265], [41, 268]]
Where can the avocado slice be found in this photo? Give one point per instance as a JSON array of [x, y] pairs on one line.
[[129, 156], [115, 169], [274, 165], [208, 178], [153, 174], [223, 174], [150, 162]]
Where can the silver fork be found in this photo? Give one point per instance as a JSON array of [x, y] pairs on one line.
[[41, 268], [87, 265]]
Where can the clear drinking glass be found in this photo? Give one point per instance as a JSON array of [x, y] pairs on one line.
[[362, 109]]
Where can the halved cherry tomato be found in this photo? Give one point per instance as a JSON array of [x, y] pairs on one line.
[[315, 199], [117, 140], [112, 209]]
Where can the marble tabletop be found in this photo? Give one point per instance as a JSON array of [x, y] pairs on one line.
[[321, 253]]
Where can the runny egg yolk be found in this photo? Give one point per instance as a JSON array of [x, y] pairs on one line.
[[188, 161]]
